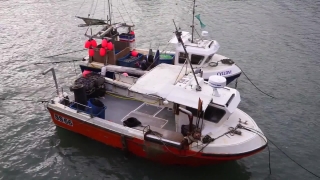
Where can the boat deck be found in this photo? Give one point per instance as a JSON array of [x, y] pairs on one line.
[[120, 108]]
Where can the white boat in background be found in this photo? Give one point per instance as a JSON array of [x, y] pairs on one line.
[[203, 55], [202, 52]]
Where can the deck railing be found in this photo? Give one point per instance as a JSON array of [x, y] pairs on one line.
[[67, 102], [79, 107]]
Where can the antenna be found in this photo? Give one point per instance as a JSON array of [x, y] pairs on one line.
[[178, 35], [216, 82], [194, 4]]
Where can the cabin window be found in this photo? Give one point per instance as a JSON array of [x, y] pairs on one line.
[[211, 114], [214, 114], [182, 57], [196, 59], [208, 58]]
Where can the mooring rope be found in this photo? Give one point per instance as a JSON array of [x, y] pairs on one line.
[[80, 7], [57, 62], [64, 53], [260, 133], [21, 99], [127, 12], [268, 94], [254, 84]]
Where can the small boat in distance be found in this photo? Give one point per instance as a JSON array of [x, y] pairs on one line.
[[165, 115], [202, 51]]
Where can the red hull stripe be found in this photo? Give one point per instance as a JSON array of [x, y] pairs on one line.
[[139, 147]]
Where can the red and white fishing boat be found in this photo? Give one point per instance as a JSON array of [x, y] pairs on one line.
[[169, 114]]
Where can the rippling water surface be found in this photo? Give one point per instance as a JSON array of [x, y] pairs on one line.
[[275, 42]]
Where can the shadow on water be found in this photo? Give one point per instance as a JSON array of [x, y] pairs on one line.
[[112, 163]]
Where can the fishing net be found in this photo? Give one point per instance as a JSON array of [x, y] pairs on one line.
[[93, 84]]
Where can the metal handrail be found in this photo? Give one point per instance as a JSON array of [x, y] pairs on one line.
[[77, 106], [54, 77], [71, 102]]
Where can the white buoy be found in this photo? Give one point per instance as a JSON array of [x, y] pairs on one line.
[[216, 82], [204, 33]]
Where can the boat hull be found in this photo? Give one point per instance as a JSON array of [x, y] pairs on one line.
[[145, 149], [230, 78]]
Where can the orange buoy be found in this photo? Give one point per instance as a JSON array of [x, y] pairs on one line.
[[102, 51], [85, 72], [93, 43], [91, 52], [104, 43], [87, 44], [110, 46], [134, 53]]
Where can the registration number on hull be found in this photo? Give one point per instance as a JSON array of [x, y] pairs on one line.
[[224, 73], [63, 120]]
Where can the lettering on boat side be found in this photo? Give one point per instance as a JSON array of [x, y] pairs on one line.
[[63, 120], [224, 73]]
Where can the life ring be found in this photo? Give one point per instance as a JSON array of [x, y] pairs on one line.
[[213, 64]]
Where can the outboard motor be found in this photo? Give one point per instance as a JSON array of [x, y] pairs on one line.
[[80, 96]]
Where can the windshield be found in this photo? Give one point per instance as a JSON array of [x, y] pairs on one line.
[[208, 58], [212, 114], [195, 59]]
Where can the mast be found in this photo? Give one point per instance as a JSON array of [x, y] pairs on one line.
[[109, 11], [194, 4], [178, 35]]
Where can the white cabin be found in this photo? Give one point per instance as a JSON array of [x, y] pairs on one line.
[[200, 51]]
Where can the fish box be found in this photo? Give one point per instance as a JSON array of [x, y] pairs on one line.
[[166, 58], [127, 37], [128, 60]]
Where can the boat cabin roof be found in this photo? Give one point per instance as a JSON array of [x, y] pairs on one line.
[[167, 82], [203, 47]]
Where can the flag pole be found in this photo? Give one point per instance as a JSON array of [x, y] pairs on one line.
[[194, 4]]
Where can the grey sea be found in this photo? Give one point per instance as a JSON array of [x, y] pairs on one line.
[[275, 42]]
